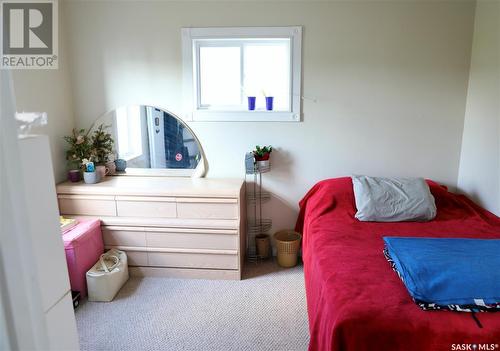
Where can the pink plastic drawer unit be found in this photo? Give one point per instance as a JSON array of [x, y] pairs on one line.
[[83, 245]]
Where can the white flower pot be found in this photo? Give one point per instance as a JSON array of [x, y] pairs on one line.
[[263, 164]]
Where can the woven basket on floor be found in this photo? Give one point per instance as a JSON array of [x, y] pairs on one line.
[[287, 244]]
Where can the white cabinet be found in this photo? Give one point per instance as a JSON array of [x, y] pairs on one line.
[[179, 227]]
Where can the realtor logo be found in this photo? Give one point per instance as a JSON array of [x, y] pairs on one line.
[[29, 34]]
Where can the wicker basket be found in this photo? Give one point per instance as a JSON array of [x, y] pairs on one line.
[[287, 243]]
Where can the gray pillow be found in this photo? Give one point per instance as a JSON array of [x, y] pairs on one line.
[[393, 199]]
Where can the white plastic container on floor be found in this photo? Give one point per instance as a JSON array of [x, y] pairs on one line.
[[107, 276]]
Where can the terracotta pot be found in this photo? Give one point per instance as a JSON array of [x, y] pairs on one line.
[[102, 171], [263, 244], [264, 157]]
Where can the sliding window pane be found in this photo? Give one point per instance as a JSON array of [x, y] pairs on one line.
[[267, 71], [220, 76]]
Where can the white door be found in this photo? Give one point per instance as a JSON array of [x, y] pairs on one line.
[[27, 308]]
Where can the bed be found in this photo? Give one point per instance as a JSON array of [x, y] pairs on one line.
[[354, 299]]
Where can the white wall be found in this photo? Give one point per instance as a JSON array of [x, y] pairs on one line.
[[50, 91], [479, 173], [390, 81]]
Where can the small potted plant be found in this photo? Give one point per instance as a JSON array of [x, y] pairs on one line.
[[90, 175], [261, 155], [80, 148], [102, 150], [102, 145]]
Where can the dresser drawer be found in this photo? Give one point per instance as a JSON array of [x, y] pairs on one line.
[[207, 208], [153, 207], [87, 205], [193, 260], [137, 258], [192, 239], [124, 236]]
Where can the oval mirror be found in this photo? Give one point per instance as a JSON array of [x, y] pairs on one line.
[[153, 142]]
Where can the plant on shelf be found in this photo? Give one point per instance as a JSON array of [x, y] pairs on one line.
[[262, 153], [261, 156], [80, 148], [102, 145]]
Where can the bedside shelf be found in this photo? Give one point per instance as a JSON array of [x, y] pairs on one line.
[[259, 227], [258, 170], [256, 198], [263, 196]]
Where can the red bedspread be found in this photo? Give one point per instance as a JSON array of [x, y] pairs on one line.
[[356, 302]]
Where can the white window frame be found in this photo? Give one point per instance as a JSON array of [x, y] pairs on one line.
[[132, 134], [190, 72]]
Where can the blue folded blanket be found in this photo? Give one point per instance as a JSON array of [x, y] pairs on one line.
[[454, 274]]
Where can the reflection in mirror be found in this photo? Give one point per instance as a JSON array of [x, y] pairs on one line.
[[151, 138]]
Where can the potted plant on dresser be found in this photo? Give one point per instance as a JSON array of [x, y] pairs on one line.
[[261, 155], [80, 148], [102, 150]]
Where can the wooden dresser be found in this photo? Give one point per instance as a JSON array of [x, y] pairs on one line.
[[176, 227]]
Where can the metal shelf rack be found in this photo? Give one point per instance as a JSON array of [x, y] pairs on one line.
[[256, 198]]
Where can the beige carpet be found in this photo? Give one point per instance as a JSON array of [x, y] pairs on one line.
[[265, 311]]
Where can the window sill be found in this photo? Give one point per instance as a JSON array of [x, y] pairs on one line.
[[243, 116]]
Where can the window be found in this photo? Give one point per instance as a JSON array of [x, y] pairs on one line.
[[129, 132], [225, 66]]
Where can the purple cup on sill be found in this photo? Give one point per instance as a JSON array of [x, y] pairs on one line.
[[269, 103], [74, 175], [251, 103]]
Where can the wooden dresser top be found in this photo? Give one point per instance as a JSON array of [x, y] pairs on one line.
[[156, 186]]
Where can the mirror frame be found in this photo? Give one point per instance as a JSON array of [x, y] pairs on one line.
[[199, 172]]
